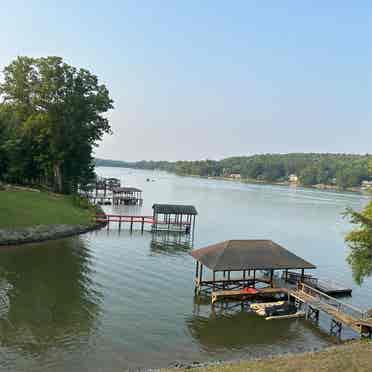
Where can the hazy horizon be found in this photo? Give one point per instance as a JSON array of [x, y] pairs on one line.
[[230, 156], [195, 80]]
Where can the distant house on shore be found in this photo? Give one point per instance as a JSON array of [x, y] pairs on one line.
[[235, 176], [293, 178], [366, 184]]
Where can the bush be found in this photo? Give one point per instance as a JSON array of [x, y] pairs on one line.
[[81, 202]]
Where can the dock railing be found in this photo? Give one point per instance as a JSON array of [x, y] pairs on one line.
[[338, 305]]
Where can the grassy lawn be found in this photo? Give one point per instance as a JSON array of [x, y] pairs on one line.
[[27, 208], [350, 357]]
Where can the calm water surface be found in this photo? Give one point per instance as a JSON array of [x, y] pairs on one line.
[[112, 301]]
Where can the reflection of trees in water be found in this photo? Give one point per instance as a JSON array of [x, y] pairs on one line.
[[51, 294]]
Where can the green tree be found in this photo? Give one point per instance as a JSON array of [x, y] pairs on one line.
[[60, 111], [360, 243], [309, 175]]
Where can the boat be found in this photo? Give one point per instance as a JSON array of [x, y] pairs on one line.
[[298, 314]]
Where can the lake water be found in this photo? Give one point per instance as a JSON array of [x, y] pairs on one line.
[[109, 301]]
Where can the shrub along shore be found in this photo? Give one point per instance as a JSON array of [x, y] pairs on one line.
[[29, 215]]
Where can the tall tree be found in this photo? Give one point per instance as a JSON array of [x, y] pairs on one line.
[[61, 112], [360, 243]]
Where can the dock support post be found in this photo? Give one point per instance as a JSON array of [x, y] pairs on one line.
[[131, 224], [336, 328], [286, 276], [119, 223], [254, 278], [196, 277], [271, 278], [312, 314], [143, 224], [214, 280]]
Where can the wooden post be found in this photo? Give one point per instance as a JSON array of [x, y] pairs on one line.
[[286, 275], [201, 273], [119, 223], [228, 275], [143, 224], [254, 278], [271, 278], [302, 275], [131, 223], [244, 277], [196, 277], [214, 280]]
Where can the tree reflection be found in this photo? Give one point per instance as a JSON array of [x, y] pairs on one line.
[[50, 293]]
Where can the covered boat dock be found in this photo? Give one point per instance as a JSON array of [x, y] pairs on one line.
[[127, 196], [175, 218], [240, 264]]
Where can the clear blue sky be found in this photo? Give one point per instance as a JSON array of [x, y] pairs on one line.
[[198, 79]]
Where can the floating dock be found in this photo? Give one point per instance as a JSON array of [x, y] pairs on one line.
[[326, 286]]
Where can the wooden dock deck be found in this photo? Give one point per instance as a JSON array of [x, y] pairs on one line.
[[242, 294], [327, 286], [332, 288], [122, 219]]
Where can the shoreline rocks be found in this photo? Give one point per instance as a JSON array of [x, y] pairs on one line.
[[41, 233]]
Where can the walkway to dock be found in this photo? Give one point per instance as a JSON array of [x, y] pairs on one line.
[[122, 219], [133, 220], [340, 312]]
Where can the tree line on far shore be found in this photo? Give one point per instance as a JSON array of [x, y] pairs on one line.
[[51, 118], [341, 170]]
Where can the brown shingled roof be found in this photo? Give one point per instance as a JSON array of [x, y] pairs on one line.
[[119, 190], [249, 255]]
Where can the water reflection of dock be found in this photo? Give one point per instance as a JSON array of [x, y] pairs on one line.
[[171, 243]]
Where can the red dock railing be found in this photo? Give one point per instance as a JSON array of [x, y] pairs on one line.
[[120, 219]]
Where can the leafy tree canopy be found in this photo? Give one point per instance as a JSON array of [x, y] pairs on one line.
[[360, 243], [51, 118]]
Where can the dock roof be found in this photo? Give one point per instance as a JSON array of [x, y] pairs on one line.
[[249, 255], [174, 209], [119, 190]]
